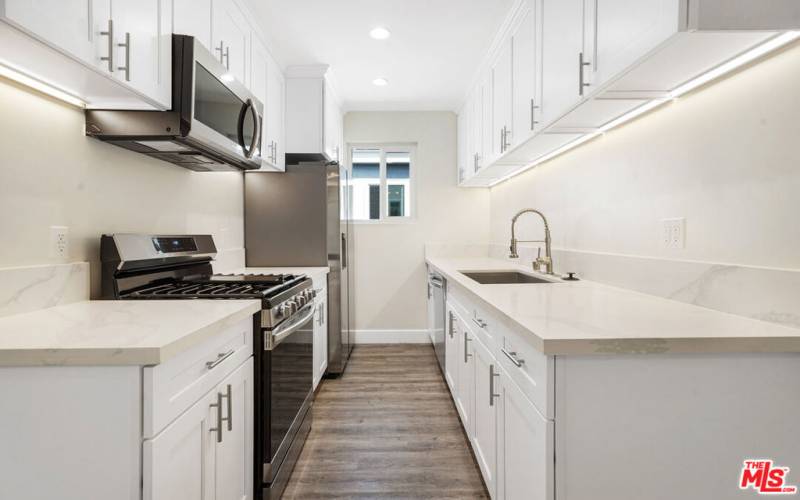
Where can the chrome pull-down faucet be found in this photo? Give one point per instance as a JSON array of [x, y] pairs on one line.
[[540, 263]]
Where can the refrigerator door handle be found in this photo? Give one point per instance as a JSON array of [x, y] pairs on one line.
[[344, 251]]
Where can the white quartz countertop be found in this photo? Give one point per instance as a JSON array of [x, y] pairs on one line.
[[585, 317], [115, 332]]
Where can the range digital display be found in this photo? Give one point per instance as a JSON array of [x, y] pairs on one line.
[[174, 245]]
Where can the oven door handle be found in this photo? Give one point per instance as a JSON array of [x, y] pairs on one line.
[[278, 336]]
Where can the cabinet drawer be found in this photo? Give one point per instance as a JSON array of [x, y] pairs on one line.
[[475, 315], [531, 370], [173, 387]]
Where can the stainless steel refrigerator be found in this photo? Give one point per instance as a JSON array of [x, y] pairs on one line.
[[301, 218]]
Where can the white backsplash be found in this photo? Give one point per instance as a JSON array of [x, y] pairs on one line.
[[25, 289], [763, 293], [456, 250]]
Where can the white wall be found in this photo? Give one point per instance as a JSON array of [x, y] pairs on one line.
[[389, 258], [51, 174], [726, 158]]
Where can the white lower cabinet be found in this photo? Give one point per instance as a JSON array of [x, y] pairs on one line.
[[465, 384], [451, 359], [524, 445], [207, 452], [511, 440], [320, 351], [484, 436]]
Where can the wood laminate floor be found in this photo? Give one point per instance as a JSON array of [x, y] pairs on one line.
[[386, 429]]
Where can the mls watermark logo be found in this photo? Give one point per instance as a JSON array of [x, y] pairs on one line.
[[766, 478]]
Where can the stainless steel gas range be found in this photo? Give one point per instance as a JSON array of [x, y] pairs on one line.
[[158, 267]]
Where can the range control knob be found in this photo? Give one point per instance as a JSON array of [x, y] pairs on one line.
[[300, 299], [291, 307], [312, 292]]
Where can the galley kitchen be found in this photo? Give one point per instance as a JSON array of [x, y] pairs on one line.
[[302, 249]]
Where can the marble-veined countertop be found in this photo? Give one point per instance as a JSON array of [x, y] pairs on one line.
[[115, 332], [585, 317]]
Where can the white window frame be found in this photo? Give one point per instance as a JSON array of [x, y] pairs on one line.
[[411, 149]]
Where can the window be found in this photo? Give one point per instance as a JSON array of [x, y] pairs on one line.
[[381, 183]]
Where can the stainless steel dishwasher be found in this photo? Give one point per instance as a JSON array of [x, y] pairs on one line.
[[437, 299]]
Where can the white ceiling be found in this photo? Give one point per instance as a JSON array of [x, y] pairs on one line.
[[434, 50]]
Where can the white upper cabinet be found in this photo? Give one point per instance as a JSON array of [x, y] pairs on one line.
[[275, 115], [574, 68], [143, 46], [267, 84], [118, 53], [313, 117], [624, 30], [562, 50], [66, 24], [193, 17], [501, 101], [526, 73], [230, 37], [333, 125]]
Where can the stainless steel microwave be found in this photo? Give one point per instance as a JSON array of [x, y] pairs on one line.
[[215, 122]]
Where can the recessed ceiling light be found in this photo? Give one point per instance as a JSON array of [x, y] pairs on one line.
[[380, 82], [227, 77], [379, 33]]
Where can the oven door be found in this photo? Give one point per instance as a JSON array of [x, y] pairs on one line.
[[288, 378], [224, 113]]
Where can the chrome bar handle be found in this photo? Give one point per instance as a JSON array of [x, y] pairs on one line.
[[452, 324], [110, 34], [492, 375], [220, 358], [581, 65], [506, 141], [502, 139], [534, 107], [513, 357], [218, 428], [228, 58], [229, 397], [466, 354], [127, 67], [220, 49]]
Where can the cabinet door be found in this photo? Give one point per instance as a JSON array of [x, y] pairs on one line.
[[193, 17], [484, 435], [526, 87], [143, 55], [332, 119], [562, 45], [320, 339], [72, 26], [486, 123], [466, 376], [234, 454], [622, 31], [178, 464], [475, 126], [452, 358], [231, 38], [524, 446], [275, 114], [463, 153], [501, 100]]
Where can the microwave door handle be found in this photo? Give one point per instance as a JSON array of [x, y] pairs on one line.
[[248, 150]]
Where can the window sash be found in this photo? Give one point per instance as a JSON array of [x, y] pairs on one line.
[[384, 150]]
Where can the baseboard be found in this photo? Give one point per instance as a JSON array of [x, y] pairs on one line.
[[392, 337]]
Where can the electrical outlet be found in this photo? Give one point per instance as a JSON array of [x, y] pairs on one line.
[[59, 242], [674, 232]]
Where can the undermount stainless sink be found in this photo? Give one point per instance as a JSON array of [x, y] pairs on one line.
[[503, 277]]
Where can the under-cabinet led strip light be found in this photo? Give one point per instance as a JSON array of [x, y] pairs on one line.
[[41, 86], [737, 62]]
